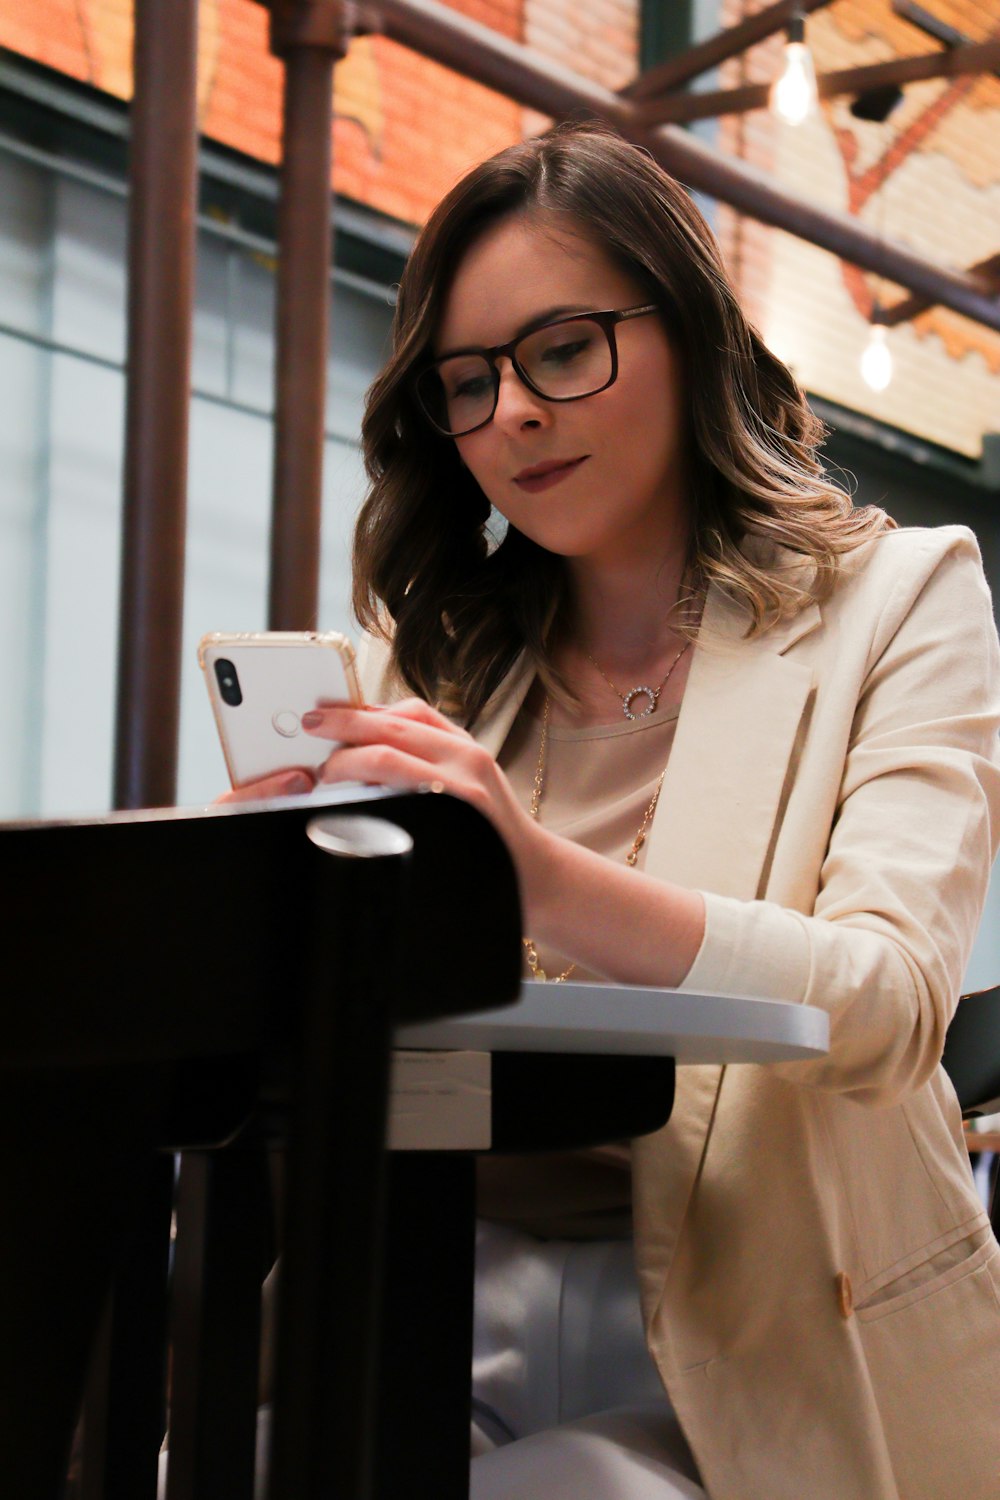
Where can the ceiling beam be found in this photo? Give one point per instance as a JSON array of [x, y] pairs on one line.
[[948, 36], [928, 23], [699, 58], [987, 271], [482, 54], [978, 57]]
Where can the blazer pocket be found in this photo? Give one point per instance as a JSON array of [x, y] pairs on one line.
[[929, 1350], [936, 1274]]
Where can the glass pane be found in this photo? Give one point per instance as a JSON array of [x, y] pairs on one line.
[[24, 262], [23, 400], [88, 270]]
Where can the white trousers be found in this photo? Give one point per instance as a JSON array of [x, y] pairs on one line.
[[566, 1400]]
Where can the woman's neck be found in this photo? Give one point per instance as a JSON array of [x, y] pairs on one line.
[[627, 613], [621, 633]]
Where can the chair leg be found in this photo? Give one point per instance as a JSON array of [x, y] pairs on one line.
[[72, 1187], [223, 1205], [329, 1286], [124, 1409], [325, 1370]]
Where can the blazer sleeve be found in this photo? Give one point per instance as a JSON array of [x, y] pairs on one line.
[[907, 864]]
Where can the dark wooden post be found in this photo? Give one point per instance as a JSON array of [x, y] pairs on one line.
[[163, 189], [309, 36], [123, 1408]]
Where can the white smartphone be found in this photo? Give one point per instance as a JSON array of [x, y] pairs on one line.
[[261, 684]]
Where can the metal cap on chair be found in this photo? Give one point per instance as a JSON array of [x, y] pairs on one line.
[[357, 837]]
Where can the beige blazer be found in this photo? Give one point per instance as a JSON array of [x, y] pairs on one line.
[[821, 1291]]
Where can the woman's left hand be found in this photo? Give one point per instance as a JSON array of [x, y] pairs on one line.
[[410, 746]]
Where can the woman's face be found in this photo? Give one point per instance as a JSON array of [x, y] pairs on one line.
[[598, 477]]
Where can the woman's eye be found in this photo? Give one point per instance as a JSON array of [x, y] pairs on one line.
[[468, 387], [566, 352]]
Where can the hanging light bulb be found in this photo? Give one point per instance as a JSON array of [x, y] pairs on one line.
[[794, 93], [876, 359]]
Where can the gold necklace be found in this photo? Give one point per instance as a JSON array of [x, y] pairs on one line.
[[653, 694], [530, 951]]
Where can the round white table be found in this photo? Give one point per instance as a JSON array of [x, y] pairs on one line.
[[635, 1020]]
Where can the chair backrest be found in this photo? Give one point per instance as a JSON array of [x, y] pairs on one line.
[[157, 962], [972, 1052], [121, 926]]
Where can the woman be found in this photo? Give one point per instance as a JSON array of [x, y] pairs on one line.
[[738, 737]]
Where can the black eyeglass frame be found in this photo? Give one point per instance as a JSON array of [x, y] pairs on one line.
[[607, 319]]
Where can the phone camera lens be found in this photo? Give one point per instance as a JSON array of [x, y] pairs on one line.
[[229, 683]]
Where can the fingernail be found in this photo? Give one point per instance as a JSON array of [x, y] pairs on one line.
[[312, 719], [298, 782]]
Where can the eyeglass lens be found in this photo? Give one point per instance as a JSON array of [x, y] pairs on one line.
[[561, 361]]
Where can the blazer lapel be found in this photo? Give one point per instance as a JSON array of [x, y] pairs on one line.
[[743, 707], [501, 710]]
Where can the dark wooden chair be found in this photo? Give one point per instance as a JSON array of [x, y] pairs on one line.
[[972, 1062], [180, 981]]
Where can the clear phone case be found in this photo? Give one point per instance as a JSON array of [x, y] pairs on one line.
[[261, 684]]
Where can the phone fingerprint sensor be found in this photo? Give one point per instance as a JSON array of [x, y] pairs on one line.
[[286, 722]]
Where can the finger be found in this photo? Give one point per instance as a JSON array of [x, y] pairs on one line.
[[421, 710], [384, 765], [282, 784], [377, 765], [341, 721], [428, 739]]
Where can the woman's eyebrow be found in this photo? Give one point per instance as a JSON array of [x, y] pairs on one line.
[[564, 310], [538, 320]]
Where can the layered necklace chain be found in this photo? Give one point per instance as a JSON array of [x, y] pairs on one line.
[[538, 786]]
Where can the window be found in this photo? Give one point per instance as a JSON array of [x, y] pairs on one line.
[[62, 388]]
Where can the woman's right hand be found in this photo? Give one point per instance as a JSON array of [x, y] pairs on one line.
[[291, 783]]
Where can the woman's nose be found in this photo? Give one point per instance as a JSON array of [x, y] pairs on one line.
[[518, 406]]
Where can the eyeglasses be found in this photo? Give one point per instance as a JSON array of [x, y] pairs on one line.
[[562, 361]]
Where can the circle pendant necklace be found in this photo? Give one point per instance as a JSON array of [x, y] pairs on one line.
[[652, 694]]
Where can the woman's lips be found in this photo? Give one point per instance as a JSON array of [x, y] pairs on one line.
[[545, 478]]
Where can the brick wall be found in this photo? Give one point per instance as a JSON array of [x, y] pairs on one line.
[[928, 177], [596, 38], [405, 130]]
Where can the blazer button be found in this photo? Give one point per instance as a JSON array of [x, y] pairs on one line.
[[845, 1294]]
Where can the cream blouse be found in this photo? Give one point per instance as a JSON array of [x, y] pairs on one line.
[[599, 782], [598, 785]]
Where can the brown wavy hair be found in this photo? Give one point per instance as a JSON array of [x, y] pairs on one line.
[[460, 609]]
